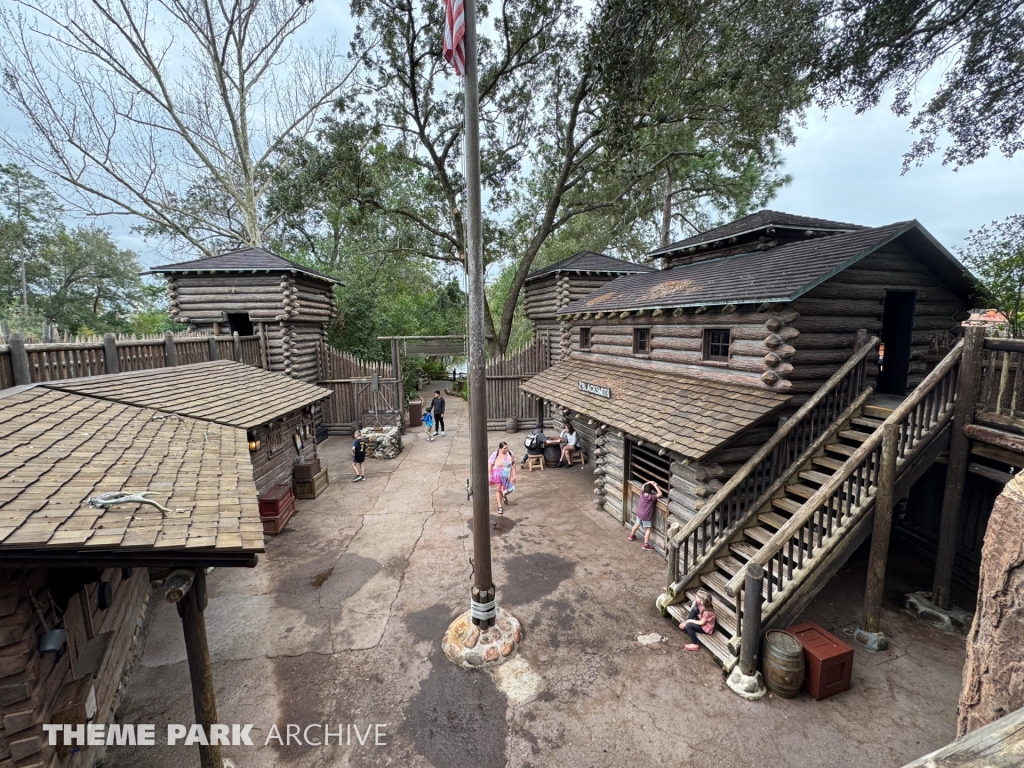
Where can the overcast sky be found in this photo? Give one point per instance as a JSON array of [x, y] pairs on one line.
[[845, 167]]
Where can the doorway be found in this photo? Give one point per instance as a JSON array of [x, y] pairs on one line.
[[897, 333], [239, 322]]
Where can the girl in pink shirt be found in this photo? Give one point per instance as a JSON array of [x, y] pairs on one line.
[[701, 619]]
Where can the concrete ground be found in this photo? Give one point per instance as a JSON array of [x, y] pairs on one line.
[[341, 624]]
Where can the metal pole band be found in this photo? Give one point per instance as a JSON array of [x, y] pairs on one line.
[[483, 611]]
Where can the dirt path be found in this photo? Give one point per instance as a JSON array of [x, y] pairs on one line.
[[341, 624]]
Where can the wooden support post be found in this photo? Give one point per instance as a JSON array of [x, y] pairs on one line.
[[237, 347], [187, 588], [264, 364], [212, 341], [884, 501], [750, 634], [170, 350], [19, 360], [956, 470], [540, 413], [110, 362]]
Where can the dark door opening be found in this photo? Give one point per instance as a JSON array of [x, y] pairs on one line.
[[239, 322], [897, 332]]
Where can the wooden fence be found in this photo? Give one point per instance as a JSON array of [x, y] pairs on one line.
[[505, 400], [353, 396], [28, 363]]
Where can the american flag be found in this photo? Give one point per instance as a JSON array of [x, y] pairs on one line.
[[454, 34]]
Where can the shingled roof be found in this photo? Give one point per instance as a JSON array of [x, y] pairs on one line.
[[222, 391], [59, 449], [588, 261], [685, 414], [780, 274], [243, 260], [754, 223]]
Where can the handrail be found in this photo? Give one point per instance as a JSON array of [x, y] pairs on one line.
[[811, 506], [806, 418]]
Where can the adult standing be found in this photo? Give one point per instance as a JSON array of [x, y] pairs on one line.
[[501, 473], [437, 409]]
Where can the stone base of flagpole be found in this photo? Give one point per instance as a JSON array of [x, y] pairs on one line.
[[477, 647]]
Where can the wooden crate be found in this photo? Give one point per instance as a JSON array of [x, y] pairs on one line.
[[313, 487], [829, 660], [276, 506], [308, 469]]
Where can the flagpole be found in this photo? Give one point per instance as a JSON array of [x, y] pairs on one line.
[[485, 635]]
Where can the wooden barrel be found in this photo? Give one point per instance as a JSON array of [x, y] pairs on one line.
[[512, 425], [783, 663]]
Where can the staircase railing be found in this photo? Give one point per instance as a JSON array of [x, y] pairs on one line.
[[849, 492], [701, 539]]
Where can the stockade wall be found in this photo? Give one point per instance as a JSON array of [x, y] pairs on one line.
[[505, 374], [88, 357], [347, 377]]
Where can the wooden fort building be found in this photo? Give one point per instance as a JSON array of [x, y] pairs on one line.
[[252, 289]]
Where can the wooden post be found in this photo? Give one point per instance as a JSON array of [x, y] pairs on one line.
[[884, 501], [540, 413], [264, 357], [190, 595], [19, 360], [750, 635], [110, 362], [956, 470], [212, 341], [237, 346], [170, 350]]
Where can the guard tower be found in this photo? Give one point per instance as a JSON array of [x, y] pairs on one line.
[[549, 289], [253, 289]]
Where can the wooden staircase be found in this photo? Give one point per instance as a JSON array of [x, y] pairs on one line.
[[812, 512]]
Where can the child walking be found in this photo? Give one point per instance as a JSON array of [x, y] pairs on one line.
[[358, 456], [645, 513], [701, 619], [428, 423]]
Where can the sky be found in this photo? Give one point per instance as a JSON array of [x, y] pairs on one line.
[[845, 167]]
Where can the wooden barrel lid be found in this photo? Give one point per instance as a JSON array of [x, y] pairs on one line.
[[783, 642]]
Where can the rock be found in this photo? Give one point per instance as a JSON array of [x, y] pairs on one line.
[[994, 671], [507, 648], [517, 635], [491, 654], [471, 640], [382, 442], [475, 659], [503, 625]]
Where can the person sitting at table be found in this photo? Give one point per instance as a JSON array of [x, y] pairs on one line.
[[568, 438]]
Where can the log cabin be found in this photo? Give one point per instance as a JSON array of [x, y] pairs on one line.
[[252, 288], [275, 412], [75, 573], [745, 378]]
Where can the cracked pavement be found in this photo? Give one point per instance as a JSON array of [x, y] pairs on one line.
[[363, 647]]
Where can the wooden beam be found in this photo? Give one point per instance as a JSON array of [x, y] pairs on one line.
[[956, 474], [750, 630], [19, 360], [178, 584], [884, 501], [996, 438], [200, 670]]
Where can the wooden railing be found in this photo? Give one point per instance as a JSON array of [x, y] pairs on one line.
[[1002, 378], [22, 363], [849, 493], [762, 476]]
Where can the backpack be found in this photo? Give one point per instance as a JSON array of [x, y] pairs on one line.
[[532, 440]]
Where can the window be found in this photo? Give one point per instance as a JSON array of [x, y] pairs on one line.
[[716, 345], [584, 338], [641, 341], [239, 322], [646, 464]]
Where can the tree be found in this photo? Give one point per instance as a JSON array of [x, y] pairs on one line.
[[995, 253], [550, 154], [176, 127], [877, 45], [29, 213]]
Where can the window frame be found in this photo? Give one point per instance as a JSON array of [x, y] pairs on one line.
[[636, 338], [590, 337], [707, 344]]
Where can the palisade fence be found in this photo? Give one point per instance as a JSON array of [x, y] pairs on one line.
[[25, 362], [352, 383], [505, 374]]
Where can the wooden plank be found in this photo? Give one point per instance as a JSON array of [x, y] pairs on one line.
[[1000, 743]]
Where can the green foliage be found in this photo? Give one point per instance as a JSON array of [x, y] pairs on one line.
[[995, 253], [878, 45]]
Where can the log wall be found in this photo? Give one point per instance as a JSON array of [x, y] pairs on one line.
[[610, 469], [273, 462], [33, 685], [546, 296]]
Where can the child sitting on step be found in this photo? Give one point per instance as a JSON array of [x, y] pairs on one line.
[[701, 619]]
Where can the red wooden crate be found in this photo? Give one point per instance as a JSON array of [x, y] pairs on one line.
[[829, 660], [276, 506]]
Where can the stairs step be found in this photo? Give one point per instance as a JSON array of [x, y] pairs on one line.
[[877, 411], [729, 564], [864, 421], [827, 461], [761, 535], [717, 642], [845, 450], [855, 435], [815, 477], [789, 505], [724, 616], [744, 549], [716, 582], [801, 490], [776, 521]]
